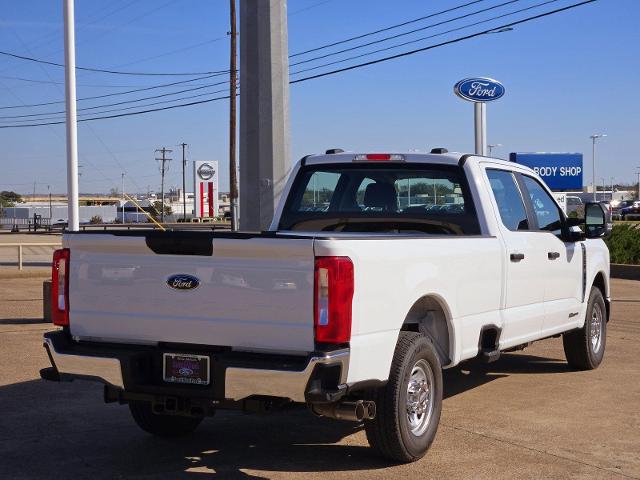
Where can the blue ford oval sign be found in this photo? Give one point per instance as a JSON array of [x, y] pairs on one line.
[[183, 281], [479, 89]]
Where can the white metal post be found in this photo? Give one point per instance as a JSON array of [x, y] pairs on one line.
[[123, 198], [480, 123], [19, 257], [593, 180], [72, 126]]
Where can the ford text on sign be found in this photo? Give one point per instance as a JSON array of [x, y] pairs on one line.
[[479, 89], [560, 171]]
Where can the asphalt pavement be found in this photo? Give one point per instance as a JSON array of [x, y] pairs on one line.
[[526, 416]]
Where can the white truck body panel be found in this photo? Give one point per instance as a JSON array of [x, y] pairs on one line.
[[257, 293]]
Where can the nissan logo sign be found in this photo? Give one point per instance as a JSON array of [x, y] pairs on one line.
[[206, 171]]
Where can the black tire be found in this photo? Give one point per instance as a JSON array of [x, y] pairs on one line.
[[162, 425], [390, 433], [581, 347]]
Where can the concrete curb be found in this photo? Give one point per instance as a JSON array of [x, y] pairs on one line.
[[627, 272]]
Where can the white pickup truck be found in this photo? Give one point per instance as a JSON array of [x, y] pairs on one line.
[[378, 271]]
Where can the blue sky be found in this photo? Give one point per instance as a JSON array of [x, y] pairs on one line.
[[566, 77]]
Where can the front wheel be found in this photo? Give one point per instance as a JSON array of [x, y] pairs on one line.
[[161, 425], [584, 348], [409, 405]]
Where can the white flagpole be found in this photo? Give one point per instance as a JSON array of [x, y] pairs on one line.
[[71, 121]]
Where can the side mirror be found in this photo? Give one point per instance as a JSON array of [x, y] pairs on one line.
[[597, 221]]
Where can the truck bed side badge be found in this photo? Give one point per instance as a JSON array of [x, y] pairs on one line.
[[183, 281]]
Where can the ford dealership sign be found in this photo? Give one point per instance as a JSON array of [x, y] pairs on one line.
[[479, 89], [560, 171]]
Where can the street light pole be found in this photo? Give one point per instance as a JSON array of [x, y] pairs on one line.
[[491, 147], [122, 175], [184, 191], [594, 137]]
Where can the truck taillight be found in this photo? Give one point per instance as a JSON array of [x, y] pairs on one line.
[[60, 287], [333, 297]]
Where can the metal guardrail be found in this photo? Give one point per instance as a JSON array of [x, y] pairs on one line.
[[17, 223], [20, 249]]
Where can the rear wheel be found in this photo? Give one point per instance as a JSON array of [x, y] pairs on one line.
[[161, 425], [409, 405], [584, 348]]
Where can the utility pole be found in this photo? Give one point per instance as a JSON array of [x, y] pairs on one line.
[[50, 209], [33, 197], [122, 175], [164, 167], [184, 188], [264, 134], [233, 77], [638, 172]]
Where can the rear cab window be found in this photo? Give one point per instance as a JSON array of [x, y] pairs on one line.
[[385, 198]]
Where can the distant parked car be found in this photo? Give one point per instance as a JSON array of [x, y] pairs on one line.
[[633, 209], [574, 204], [622, 204]]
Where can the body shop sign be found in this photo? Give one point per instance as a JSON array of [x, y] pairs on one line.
[[560, 171]]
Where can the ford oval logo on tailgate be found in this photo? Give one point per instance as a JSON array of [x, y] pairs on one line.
[[479, 89], [183, 281]]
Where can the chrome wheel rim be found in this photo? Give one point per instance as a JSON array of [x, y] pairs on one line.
[[420, 397], [597, 326]]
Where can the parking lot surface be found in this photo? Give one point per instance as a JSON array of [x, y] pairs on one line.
[[526, 416]]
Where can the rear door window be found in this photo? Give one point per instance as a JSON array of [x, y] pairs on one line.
[[546, 210], [509, 200]]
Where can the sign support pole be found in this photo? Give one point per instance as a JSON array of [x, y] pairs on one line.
[[71, 120], [480, 123]]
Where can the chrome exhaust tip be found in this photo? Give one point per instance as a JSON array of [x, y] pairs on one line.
[[349, 411]]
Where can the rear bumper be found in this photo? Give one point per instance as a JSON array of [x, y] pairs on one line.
[[234, 375]]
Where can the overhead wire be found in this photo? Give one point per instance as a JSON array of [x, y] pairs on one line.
[[422, 39], [341, 70]]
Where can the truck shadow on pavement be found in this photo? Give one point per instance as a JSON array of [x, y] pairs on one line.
[[66, 426], [474, 373]]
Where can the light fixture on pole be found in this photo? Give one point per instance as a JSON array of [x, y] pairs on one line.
[[491, 147], [594, 137]]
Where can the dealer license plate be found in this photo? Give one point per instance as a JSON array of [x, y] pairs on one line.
[[180, 368]]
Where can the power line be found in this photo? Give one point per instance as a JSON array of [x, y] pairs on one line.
[[421, 39], [308, 60], [448, 42], [124, 102], [334, 72], [143, 89], [398, 25], [386, 39], [122, 109], [114, 72]]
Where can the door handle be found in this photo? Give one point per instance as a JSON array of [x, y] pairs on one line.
[[516, 257], [553, 255]]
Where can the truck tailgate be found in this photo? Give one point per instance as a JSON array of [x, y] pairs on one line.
[[253, 293]]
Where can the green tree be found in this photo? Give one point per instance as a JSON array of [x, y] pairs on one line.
[[157, 208], [9, 199]]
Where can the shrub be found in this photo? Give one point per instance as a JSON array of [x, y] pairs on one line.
[[624, 244], [95, 219]]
